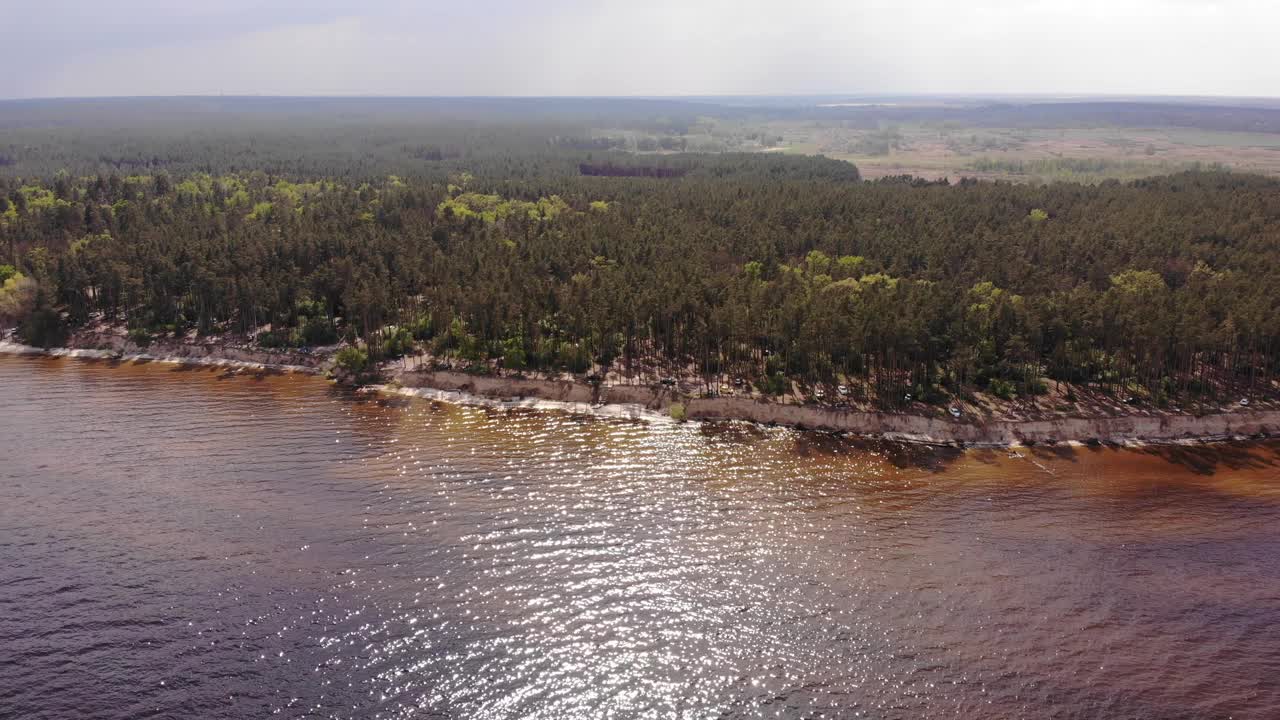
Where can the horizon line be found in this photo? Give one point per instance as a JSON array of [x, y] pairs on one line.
[[682, 96]]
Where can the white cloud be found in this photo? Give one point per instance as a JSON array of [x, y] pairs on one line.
[[664, 47]]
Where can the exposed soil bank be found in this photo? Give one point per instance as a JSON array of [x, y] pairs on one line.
[[1154, 428], [111, 345], [978, 431], [653, 401]]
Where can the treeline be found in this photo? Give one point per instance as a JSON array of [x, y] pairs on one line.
[[1224, 116], [768, 267], [612, 170], [352, 138], [1069, 169], [356, 138]]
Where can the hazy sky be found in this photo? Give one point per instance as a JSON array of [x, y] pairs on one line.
[[637, 47]]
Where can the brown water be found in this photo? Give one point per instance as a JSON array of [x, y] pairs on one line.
[[192, 543]]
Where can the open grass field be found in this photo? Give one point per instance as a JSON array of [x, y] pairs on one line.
[[1035, 154], [1021, 142]]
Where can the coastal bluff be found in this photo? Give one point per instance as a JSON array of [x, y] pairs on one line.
[[969, 430]]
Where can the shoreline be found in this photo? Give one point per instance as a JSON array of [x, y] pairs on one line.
[[653, 403], [175, 353], [897, 427]]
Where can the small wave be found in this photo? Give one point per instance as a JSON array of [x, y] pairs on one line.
[[617, 411]]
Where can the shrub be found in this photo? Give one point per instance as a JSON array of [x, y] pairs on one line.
[[318, 330], [140, 337], [271, 339], [1002, 389], [610, 349], [774, 365], [573, 358], [43, 328], [422, 328], [17, 295], [775, 384], [312, 331], [513, 355], [442, 344], [678, 412], [352, 359], [466, 343], [308, 308], [931, 395], [397, 343]]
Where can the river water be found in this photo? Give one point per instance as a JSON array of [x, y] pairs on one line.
[[179, 542]]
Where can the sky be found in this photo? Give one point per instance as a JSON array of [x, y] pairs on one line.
[[65, 48]]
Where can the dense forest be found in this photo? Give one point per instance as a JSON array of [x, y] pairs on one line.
[[499, 244]]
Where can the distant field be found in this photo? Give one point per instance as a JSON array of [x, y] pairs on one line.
[[951, 150], [1085, 142], [1034, 155]]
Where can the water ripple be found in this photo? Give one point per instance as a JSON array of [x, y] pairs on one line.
[[201, 543]]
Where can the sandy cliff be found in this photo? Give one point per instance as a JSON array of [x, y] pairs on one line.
[[904, 427], [639, 400], [108, 343]]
